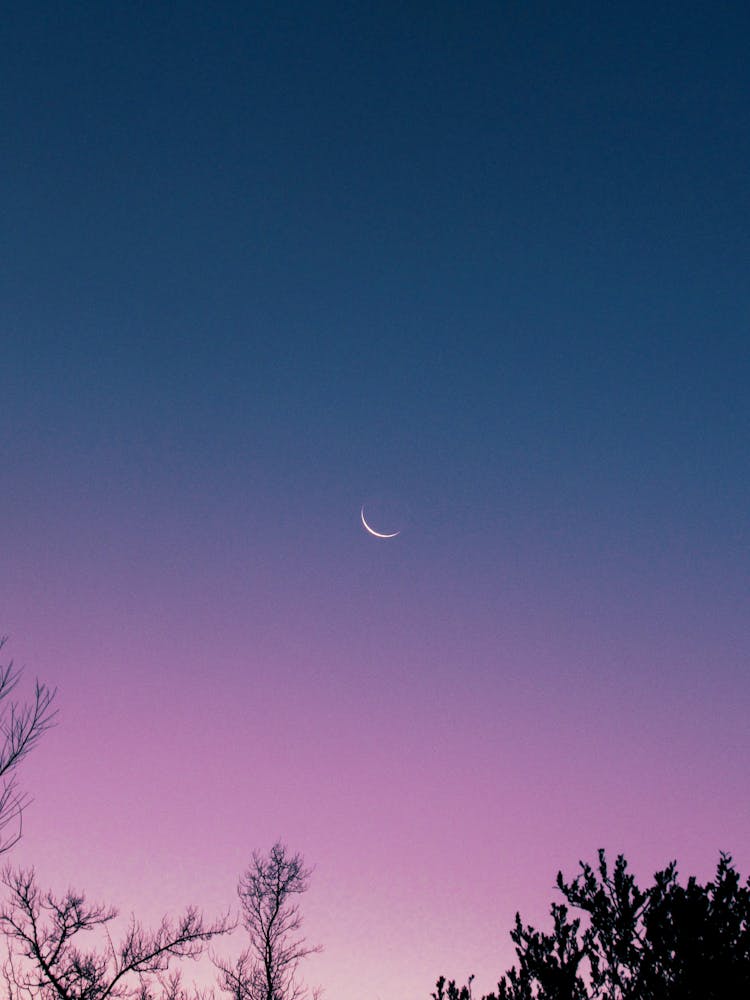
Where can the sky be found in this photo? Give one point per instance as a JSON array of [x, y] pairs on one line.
[[482, 268]]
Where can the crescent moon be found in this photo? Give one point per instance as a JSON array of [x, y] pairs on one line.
[[377, 534]]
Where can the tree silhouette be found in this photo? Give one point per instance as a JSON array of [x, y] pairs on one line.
[[667, 942], [21, 726], [45, 960], [267, 969]]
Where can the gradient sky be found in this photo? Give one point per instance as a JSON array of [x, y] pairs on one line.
[[482, 267]]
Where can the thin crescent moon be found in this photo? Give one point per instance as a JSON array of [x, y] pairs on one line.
[[377, 534]]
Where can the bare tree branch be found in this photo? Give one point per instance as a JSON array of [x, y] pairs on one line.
[[267, 969], [21, 727], [45, 961]]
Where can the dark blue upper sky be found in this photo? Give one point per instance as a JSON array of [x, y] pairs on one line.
[[493, 257]]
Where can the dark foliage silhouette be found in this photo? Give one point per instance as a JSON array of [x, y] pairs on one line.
[[21, 726], [268, 891], [666, 942], [46, 961]]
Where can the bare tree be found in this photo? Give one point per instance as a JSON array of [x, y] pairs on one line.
[[21, 726], [267, 969], [46, 962]]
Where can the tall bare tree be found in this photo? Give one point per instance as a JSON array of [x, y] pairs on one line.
[[268, 891], [45, 960], [21, 726]]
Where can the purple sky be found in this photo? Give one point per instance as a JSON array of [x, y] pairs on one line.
[[484, 272]]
